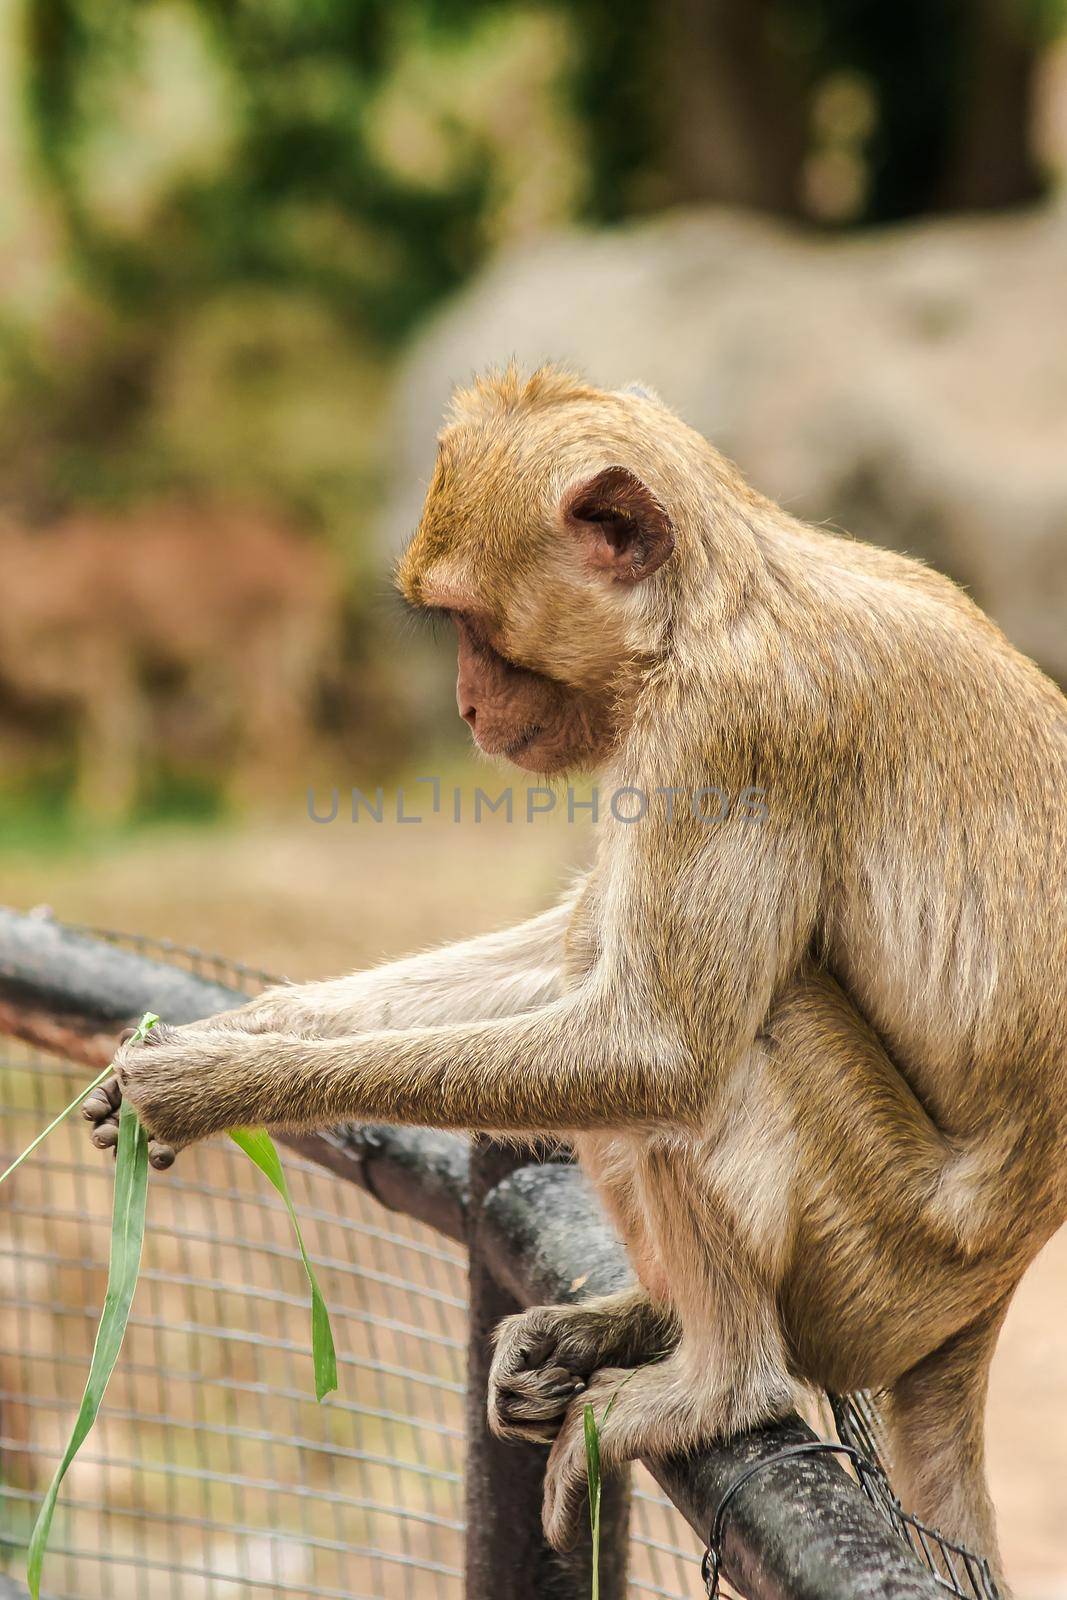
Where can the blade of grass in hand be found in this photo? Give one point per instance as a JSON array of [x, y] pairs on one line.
[[258, 1145], [127, 1234]]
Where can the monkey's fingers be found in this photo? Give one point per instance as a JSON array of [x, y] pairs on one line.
[[545, 1383], [101, 1108], [532, 1404], [160, 1155], [106, 1135], [103, 1103]]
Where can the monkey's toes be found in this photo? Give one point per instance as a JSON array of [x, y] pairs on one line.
[[565, 1494]]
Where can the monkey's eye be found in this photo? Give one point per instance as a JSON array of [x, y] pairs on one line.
[[432, 618]]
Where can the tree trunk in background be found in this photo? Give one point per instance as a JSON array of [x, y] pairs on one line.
[[733, 102], [990, 162], [733, 109]]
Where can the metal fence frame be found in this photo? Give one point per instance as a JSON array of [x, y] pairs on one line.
[[798, 1528]]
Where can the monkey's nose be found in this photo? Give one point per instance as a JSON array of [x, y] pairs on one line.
[[465, 697]]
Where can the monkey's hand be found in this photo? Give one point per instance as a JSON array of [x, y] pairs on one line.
[[546, 1356], [101, 1109], [184, 1083], [543, 1360]]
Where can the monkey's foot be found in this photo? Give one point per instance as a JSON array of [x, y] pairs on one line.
[[566, 1488], [651, 1410], [543, 1361]]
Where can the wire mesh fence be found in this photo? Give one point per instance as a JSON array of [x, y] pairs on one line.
[[959, 1571], [213, 1474]]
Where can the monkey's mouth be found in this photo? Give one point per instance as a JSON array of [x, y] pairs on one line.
[[512, 748], [503, 742]]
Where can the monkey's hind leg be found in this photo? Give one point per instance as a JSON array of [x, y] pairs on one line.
[[545, 1357], [935, 1414]]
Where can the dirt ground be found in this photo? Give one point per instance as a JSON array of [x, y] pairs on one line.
[[312, 900]]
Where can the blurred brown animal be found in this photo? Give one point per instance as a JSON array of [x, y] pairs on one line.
[[215, 619], [815, 1060]]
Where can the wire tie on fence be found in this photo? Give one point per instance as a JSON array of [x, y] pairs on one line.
[[710, 1565]]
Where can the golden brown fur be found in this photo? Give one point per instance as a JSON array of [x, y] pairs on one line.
[[817, 1067]]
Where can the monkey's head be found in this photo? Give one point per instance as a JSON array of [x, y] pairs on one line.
[[544, 543]]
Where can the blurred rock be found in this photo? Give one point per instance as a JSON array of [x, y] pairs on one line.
[[910, 385]]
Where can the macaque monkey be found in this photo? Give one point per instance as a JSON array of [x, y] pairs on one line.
[[815, 1064]]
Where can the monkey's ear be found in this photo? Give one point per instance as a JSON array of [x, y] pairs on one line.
[[626, 531]]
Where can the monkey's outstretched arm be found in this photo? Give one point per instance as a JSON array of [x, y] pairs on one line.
[[672, 1002], [572, 1064], [495, 975]]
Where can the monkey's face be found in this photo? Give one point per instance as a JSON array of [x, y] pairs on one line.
[[538, 552], [544, 651]]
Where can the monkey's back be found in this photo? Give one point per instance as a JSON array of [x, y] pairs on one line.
[[947, 919]]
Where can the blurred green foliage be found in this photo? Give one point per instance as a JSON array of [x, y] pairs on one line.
[[239, 207], [239, 210], [278, 167], [255, 200], [287, 178]]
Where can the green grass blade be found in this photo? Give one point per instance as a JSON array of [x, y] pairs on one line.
[[592, 1459], [594, 1478], [592, 1472], [127, 1235], [258, 1145]]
